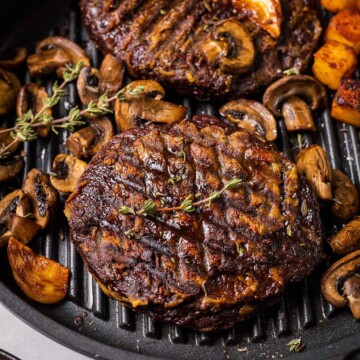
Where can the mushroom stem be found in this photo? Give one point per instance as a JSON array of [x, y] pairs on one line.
[[297, 115]]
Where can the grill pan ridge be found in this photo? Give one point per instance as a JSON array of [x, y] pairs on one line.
[[100, 327]]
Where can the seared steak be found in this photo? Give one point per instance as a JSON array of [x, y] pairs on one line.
[[165, 40], [210, 268]]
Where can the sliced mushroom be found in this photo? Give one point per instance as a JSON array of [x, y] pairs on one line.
[[130, 114], [293, 97], [314, 164], [32, 97], [347, 239], [53, 53], [4, 236], [65, 173], [9, 204], [230, 47], [9, 89], [23, 228], [10, 168], [40, 278], [88, 85], [5, 140], [13, 58], [251, 115], [352, 292], [346, 197], [143, 88], [336, 275], [111, 75], [87, 141], [42, 195]]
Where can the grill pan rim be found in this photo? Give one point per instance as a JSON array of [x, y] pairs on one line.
[[98, 350]]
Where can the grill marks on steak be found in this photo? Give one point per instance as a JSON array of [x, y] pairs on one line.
[[161, 39], [211, 268]]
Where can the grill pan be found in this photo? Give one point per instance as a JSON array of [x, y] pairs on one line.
[[91, 323]]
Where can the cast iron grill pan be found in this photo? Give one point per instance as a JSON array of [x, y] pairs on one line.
[[100, 327]]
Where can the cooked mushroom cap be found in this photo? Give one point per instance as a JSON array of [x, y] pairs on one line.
[[5, 140], [88, 85], [352, 292], [314, 164], [4, 236], [230, 47], [335, 275], [42, 195], [347, 239], [65, 173], [140, 88], [111, 75], [87, 141], [40, 278], [10, 168], [13, 58], [130, 114], [9, 89], [22, 228], [9, 204], [302, 86], [32, 97], [251, 115], [53, 53], [346, 197]]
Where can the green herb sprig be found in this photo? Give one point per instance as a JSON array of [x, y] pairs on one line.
[[296, 345]]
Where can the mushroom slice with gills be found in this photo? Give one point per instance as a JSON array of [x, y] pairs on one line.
[[111, 75], [314, 164], [347, 239], [10, 168], [5, 140], [65, 173], [266, 13], [9, 89], [23, 228], [87, 141], [251, 115], [32, 97], [41, 279], [230, 47], [290, 96], [9, 204], [12, 58], [88, 85], [42, 195], [346, 197], [131, 114], [142, 88], [335, 277], [56, 51]]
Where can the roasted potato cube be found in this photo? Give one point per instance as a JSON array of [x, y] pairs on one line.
[[40, 278], [338, 5], [346, 104], [345, 28], [333, 61]]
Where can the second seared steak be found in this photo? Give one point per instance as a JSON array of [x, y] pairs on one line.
[[192, 45], [211, 268]]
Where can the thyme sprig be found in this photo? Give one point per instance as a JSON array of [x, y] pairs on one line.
[[188, 205], [296, 345]]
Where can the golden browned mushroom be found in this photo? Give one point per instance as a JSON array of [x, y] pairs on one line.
[[23, 228], [346, 196], [32, 97], [13, 58], [111, 75], [5, 140], [347, 239], [336, 276], [87, 141], [9, 168], [88, 85], [314, 164], [53, 53], [130, 114], [230, 47], [42, 195], [40, 278], [352, 292], [9, 89], [4, 235], [9, 204], [65, 173], [293, 97], [143, 88], [251, 115]]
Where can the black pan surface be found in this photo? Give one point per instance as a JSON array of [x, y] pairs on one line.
[[91, 323]]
